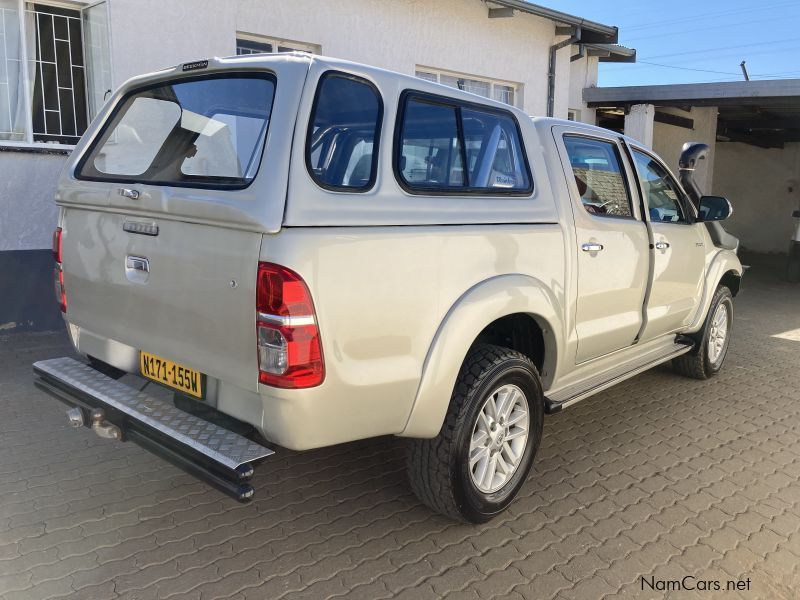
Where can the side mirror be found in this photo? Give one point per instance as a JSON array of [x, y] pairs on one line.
[[715, 208]]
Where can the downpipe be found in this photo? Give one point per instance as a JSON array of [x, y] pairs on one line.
[[551, 68]]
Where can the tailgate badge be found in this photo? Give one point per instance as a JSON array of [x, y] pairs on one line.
[[140, 228], [193, 66]]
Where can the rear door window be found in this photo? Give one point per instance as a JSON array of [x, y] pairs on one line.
[[448, 147], [341, 148], [196, 132], [599, 177]]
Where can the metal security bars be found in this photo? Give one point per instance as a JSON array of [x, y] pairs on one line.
[[59, 110], [55, 71]]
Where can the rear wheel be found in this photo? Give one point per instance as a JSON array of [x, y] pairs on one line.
[[712, 341], [479, 461]]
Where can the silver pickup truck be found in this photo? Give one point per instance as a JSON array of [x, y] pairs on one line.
[[323, 252]]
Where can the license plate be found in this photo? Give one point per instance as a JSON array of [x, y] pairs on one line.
[[171, 374]]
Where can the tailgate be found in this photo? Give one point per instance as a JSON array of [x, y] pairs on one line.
[[164, 204], [195, 304]]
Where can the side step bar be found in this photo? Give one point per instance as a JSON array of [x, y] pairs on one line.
[[222, 458], [570, 395]]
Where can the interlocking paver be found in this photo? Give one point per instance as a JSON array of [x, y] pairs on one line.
[[658, 476]]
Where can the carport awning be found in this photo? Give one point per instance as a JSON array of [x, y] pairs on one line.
[[761, 113]]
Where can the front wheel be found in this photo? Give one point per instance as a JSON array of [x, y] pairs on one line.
[[712, 341], [479, 461]]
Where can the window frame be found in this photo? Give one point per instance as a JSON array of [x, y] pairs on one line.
[[100, 135], [621, 158], [275, 43], [28, 144], [373, 174], [457, 104], [438, 73], [683, 199]]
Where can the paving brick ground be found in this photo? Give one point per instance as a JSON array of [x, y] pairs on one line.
[[659, 477]]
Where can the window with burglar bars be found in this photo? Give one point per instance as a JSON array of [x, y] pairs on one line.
[[54, 70], [505, 92], [252, 44], [59, 90]]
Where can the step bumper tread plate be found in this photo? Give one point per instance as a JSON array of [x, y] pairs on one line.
[[216, 443]]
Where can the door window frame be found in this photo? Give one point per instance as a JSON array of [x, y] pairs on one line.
[[683, 198], [628, 172]]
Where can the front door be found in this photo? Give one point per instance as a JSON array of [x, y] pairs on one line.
[[678, 251], [612, 245]]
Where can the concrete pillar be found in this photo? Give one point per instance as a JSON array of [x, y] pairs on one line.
[[639, 123]]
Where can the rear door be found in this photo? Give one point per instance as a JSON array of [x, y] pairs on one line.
[[612, 243], [678, 249], [163, 219]]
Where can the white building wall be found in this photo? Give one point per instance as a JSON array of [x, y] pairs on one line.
[[455, 35], [27, 211], [147, 35], [669, 139], [582, 74], [763, 186]]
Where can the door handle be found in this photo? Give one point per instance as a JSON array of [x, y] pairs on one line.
[[592, 247], [137, 263], [129, 193], [662, 245]]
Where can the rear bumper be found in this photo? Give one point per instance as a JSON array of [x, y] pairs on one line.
[[218, 456]]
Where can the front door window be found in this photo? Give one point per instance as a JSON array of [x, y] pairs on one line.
[[660, 190]]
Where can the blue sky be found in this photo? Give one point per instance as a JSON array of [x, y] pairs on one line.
[[705, 44]]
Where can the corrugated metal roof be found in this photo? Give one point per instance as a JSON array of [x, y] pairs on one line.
[[696, 94]]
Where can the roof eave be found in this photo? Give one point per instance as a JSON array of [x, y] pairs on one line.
[[591, 31]]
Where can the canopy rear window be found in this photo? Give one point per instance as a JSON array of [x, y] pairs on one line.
[[198, 132]]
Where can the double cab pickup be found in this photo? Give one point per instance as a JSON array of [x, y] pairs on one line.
[[296, 251]]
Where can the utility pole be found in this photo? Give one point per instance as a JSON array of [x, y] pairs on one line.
[[744, 71]]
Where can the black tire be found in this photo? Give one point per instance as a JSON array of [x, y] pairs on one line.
[[697, 364], [438, 468], [793, 263]]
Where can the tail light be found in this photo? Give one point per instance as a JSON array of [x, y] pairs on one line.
[[61, 292], [289, 348]]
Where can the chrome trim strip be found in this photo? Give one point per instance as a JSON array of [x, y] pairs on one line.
[[287, 321]]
